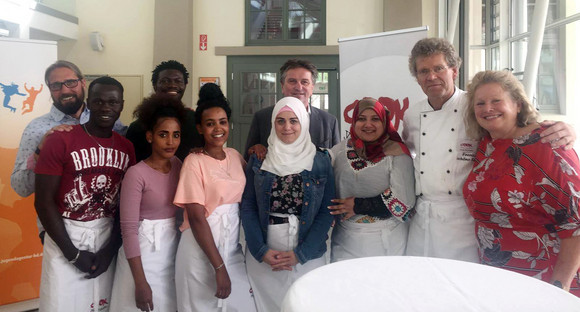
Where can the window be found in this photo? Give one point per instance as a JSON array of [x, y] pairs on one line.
[[285, 22], [499, 36]]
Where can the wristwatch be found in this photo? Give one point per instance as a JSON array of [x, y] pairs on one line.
[[557, 283]]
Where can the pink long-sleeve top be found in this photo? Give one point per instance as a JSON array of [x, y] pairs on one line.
[[146, 194]]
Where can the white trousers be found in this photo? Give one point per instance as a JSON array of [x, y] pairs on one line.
[[195, 276], [63, 287], [158, 244]]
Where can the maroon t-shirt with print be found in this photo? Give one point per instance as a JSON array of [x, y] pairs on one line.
[[91, 171]]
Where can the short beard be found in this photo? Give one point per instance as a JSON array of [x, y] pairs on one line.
[[69, 109]]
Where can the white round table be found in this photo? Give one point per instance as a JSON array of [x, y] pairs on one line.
[[422, 284]]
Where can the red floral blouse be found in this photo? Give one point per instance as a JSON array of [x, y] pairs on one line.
[[524, 198]]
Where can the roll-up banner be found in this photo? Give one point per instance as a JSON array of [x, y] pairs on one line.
[[377, 65], [24, 96]]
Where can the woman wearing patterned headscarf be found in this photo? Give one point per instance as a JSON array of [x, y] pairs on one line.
[[375, 183], [284, 206]]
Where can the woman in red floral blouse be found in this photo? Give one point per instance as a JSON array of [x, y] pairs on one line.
[[523, 194]]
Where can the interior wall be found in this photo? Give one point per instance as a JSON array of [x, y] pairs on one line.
[[347, 18], [430, 16], [401, 14], [127, 31], [224, 26], [173, 38], [138, 37]]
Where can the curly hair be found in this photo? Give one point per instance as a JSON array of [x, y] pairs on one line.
[[210, 91], [211, 95], [509, 83], [431, 46], [171, 64], [156, 107]]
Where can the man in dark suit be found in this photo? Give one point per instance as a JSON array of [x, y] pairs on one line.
[[297, 78]]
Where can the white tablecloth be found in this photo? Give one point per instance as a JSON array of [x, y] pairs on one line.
[[422, 284]]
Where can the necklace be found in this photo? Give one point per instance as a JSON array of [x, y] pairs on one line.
[[226, 159], [90, 136]]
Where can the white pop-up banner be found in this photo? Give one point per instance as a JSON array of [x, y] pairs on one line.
[[377, 66]]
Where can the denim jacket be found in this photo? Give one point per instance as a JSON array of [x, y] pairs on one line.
[[315, 219]]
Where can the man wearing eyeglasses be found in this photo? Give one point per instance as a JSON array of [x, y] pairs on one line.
[[66, 84], [434, 131]]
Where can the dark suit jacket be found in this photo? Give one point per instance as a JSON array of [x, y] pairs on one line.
[[323, 128]]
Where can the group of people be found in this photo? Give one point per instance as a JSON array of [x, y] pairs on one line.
[[473, 177]]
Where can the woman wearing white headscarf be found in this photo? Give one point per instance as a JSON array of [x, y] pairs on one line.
[[284, 206]]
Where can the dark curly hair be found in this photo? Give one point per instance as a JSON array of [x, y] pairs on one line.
[[156, 107], [171, 64], [210, 95]]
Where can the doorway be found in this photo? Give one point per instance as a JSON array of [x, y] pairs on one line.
[[255, 84]]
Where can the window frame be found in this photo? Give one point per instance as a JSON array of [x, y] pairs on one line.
[[505, 52], [285, 29]]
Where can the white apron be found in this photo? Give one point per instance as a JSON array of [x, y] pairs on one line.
[[269, 286], [195, 276], [62, 286], [352, 240], [442, 229], [158, 244]]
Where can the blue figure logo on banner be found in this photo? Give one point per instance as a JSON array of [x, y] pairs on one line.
[[9, 91], [28, 104]]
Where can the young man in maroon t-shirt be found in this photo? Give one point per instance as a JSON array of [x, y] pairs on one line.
[[78, 176]]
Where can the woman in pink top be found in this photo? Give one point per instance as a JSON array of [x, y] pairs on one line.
[[209, 266], [145, 276]]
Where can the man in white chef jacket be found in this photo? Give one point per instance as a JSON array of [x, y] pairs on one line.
[[434, 131]]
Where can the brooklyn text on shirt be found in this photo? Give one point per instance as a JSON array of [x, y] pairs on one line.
[[100, 157]]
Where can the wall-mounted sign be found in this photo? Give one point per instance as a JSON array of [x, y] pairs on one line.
[[204, 80], [203, 42]]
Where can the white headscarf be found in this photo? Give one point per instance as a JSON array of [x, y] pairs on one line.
[[283, 159]]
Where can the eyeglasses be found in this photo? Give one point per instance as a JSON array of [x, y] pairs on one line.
[[426, 71], [71, 83]]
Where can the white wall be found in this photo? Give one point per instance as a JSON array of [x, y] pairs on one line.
[[346, 18], [223, 23], [127, 30]]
